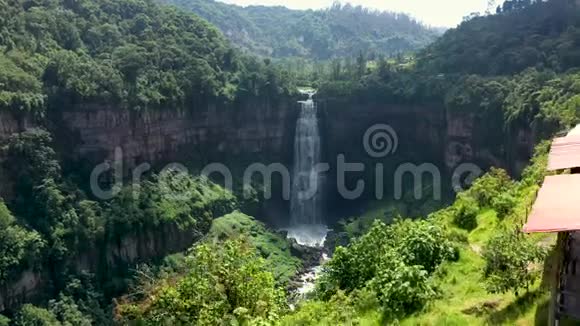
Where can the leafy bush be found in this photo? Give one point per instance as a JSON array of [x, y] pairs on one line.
[[504, 204], [491, 186], [465, 212], [18, 247], [509, 258], [274, 248], [422, 243], [394, 262], [338, 310], [399, 287], [535, 173], [226, 282], [35, 316]]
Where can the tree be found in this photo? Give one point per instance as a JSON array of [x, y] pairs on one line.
[[361, 65], [19, 247], [30, 315], [509, 262], [394, 262], [227, 282], [465, 210], [31, 158]]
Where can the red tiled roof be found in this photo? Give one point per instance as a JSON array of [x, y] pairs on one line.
[[557, 207], [565, 153]]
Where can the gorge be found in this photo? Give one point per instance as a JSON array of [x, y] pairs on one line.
[[140, 98]]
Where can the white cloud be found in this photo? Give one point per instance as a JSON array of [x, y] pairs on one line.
[[446, 13]]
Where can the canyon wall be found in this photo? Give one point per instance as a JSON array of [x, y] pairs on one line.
[[241, 134], [87, 135], [423, 134], [257, 130], [428, 134], [261, 131]]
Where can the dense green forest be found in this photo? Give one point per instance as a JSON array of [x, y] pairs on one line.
[[134, 54], [521, 35], [466, 264], [339, 31]]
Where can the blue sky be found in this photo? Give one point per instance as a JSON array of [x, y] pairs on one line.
[[444, 13]]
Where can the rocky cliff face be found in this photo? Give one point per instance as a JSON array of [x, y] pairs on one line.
[[254, 130], [423, 134], [261, 131]]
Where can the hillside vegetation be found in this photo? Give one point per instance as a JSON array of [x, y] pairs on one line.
[[129, 54], [523, 34], [104, 262], [339, 31]]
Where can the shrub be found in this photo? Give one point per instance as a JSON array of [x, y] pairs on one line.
[[504, 204], [485, 189], [401, 288], [18, 246], [32, 315], [227, 282], [422, 243], [394, 262], [465, 213], [338, 310], [509, 257]]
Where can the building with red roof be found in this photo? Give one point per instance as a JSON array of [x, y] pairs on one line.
[[557, 210]]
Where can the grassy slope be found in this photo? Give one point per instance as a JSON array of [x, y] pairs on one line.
[[388, 210], [465, 301]]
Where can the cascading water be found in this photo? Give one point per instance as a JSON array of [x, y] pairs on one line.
[[306, 222]]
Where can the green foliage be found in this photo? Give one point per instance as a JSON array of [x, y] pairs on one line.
[[19, 247], [401, 288], [65, 224], [465, 212], [67, 311], [30, 315], [339, 31], [540, 35], [131, 54], [170, 197], [274, 248], [474, 93], [510, 257], [535, 172], [394, 262], [339, 310], [422, 243], [31, 158], [63, 312], [488, 190], [226, 282], [20, 89]]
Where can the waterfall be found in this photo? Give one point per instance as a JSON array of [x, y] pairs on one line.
[[306, 222]]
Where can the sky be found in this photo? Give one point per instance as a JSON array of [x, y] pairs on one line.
[[437, 13]]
